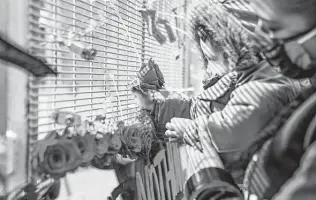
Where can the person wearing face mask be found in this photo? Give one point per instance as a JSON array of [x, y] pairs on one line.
[[254, 91], [286, 147], [283, 157], [291, 25], [288, 50], [268, 48]]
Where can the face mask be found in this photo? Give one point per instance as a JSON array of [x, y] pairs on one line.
[[295, 58]]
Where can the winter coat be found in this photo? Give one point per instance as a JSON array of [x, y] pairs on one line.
[[238, 106], [238, 119], [283, 168], [257, 95]]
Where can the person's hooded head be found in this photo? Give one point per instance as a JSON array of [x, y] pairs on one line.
[[291, 24], [224, 44]]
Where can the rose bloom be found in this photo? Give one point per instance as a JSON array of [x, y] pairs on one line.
[[115, 142], [103, 144], [131, 137]]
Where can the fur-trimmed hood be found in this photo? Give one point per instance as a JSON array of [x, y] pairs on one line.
[[225, 33]]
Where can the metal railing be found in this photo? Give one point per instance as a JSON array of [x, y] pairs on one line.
[[163, 179]]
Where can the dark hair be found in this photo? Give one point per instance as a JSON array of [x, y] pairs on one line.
[[196, 38], [224, 33]]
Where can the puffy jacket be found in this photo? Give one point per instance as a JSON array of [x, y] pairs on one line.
[[241, 105], [283, 168], [255, 95], [255, 91], [236, 107]]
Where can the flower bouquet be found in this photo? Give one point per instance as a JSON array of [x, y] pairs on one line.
[[99, 143]]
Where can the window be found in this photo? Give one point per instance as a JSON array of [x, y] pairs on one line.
[[122, 43]]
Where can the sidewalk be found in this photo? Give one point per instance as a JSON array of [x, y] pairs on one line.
[[89, 184]]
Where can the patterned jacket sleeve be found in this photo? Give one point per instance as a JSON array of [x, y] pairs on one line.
[[250, 108]]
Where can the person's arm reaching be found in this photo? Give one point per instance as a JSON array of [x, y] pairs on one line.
[[250, 108]]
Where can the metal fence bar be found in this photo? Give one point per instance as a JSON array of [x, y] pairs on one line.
[[164, 176]]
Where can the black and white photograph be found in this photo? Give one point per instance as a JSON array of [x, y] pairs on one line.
[[158, 100]]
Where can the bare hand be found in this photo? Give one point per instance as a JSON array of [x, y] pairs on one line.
[[177, 127]]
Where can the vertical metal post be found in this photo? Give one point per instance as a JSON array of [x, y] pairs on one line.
[[143, 36], [14, 91], [186, 53], [3, 70]]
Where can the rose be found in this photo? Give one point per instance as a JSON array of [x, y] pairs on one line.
[[130, 136], [87, 147], [61, 158], [159, 74], [103, 144], [151, 78], [103, 162], [115, 142]]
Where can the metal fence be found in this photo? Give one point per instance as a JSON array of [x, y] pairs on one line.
[[163, 179], [122, 43]]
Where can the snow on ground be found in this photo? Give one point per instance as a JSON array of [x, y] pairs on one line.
[[89, 184]]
